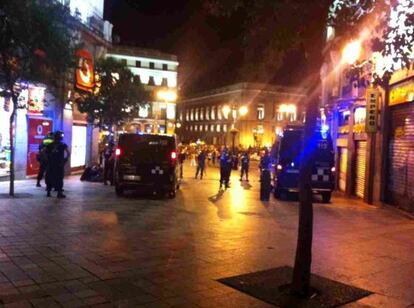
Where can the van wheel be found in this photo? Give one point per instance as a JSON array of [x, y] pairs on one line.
[[119, 190], [326, 197]]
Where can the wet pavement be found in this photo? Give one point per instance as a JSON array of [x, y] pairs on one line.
[[96, 249]]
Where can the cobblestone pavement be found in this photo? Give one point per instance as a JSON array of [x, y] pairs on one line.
[[95, 249]]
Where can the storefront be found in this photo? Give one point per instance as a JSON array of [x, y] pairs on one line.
[[343, 162], [4, 137], [401, 147], [78, 155], [360, 167]]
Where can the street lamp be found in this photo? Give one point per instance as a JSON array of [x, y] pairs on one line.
[[351, 52], [236, 112], [167, 96]]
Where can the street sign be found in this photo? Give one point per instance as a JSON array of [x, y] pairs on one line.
[[371, 125]]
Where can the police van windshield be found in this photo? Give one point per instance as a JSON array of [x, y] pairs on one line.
[[290, 147], [147, 148]]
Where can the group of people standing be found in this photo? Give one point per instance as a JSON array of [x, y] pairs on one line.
[[52, 157]]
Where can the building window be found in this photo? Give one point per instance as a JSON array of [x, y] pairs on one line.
[[286, 112], [201, 113], [192, 114], [201, 128], [196, 114], [181, 116], [124, 61], [260, 112], [224, 127], [218, 128], [164, 82], [152, 65], [196, 128], [138, 63], [207, 113], [151, 81], [206, 127], [219, 113], [212, 128], [165, 67], [213, 112], [187, 115]]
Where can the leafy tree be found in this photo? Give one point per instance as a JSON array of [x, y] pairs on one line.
[[116, 97], [35, 46], [274, 29]]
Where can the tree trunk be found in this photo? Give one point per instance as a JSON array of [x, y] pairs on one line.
[[12, 143], [303, 260]]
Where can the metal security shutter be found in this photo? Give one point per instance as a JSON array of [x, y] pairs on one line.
[[361, 162], [400, 183], [343, 162]]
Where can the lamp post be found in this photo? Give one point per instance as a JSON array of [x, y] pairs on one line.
[[236, 112], [167, 96]]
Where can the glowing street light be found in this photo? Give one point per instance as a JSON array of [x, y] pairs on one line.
[[167, 95], [243, 111], [351, 52]]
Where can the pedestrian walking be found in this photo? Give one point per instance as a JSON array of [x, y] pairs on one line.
[[193, 159], [201, 163], [181, 159], [245, 162], [42, 159], [56, 159], [108, 160], [265, 179], [225, 168]]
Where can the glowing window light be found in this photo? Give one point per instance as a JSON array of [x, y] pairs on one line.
[[351, 52]]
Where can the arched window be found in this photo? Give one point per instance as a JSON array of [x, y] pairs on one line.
[[201, 113], [213, 112], [196, 114], [207, 113]]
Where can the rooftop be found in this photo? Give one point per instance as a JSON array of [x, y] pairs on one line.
[[141, 52]]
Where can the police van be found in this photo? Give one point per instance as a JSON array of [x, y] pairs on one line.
[[288, 156], [146, 162]]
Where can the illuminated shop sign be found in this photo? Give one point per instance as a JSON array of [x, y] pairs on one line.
[[35, 100], [371, 125], [402, 94], [84, 71]]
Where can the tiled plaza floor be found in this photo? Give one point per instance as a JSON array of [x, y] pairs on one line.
[[95, 249]]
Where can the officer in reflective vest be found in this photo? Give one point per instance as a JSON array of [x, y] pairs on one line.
[[41, 157]]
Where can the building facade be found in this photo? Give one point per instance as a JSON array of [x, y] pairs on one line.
[[46, 112], [251, 114], [372, 126], [157, 72]]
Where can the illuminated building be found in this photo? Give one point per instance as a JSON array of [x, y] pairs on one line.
[[256, 113], [157, 72]]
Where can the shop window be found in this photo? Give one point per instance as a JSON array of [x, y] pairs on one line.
[[260, 111], [360, 115], [143, 111], [163, 113], [344, 117], [148, 128]]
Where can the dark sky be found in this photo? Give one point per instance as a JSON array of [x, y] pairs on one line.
[[205, 45]]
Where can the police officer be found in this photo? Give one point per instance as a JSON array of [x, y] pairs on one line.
[[201, 163], [265, 180], [56, 160], [42, 159], [245, 161], [225, 168], [108, 156]]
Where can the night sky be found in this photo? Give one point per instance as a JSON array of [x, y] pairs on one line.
[[205, 45], [209, 48]]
